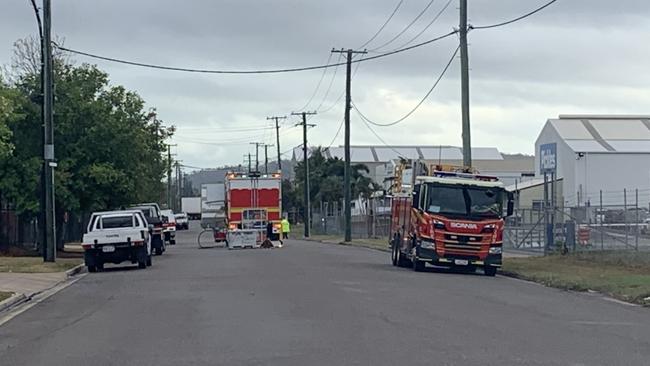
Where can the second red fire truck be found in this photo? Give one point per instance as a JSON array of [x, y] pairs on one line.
[[252, 201]]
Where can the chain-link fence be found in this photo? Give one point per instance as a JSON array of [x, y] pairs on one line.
[[370, 219], [602, 224]]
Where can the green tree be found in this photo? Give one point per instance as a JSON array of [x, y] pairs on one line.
[[108, 146]]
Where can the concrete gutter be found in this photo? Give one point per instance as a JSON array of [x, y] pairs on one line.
[[14, 300]]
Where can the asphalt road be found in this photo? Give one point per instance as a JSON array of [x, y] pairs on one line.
[[317, 304]]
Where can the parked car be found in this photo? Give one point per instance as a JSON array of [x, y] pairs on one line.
[[182, 221], [152, 213], [116, 237], [169, 226]]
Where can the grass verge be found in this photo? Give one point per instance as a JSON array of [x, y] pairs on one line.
[[5, 295], [622, 275], [36, 264]]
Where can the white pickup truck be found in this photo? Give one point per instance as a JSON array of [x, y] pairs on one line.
[[115, 237]]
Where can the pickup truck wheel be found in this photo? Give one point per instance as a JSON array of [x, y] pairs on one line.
[[92, 269], [490, 271], [100, 266], [142, 265], [149, 260]]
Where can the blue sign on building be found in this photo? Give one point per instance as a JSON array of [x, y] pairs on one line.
[[547, 158]]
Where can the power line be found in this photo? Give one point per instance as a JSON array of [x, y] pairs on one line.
[[383, 26], [366, 119], [329, 58], [271, 71], [377, 135], [406, 28], [338, 131], [329, 87], [323, 111], [515, 19], [428, 25]]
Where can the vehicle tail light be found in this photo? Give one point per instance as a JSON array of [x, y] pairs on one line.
[[87, 246], [232, 226], [138, 243]]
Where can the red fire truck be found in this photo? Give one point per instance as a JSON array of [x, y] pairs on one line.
[[253, 200], [448, 217]]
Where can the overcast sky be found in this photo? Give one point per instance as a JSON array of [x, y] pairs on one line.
[[577, 56]]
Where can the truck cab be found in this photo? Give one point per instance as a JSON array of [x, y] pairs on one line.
[[154, 217], [450, 219]]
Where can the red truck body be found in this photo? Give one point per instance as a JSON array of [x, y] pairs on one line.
[[254, 194]]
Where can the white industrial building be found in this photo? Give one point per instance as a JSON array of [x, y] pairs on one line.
[[598, 153], [381, 160]]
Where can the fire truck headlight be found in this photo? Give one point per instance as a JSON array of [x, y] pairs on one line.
[[489, 228], [428, 245], [495, 250], [437, 224]]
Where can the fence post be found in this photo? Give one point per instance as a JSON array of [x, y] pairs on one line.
[[602, 218], [625, 215], [636, 211]]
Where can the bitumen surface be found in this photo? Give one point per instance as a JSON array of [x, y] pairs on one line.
[[317, 304]]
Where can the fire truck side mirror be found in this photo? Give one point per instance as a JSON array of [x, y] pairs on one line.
[[511, 204], [416, 197]]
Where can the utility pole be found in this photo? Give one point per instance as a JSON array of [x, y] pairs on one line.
[[464, 85], [177, 201], [49, 223], [305, 160], [257, 155], [346, 172], [169, 175], [277, 138], [249, 163], [266, 158]]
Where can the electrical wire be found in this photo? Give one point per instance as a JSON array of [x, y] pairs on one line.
[[329, 87], [405, 29], [322, 111], [329, 58], [270, 71], [383, 26], [428, 25], [377, 135], [366, 119], [337, 134], [515, 19]]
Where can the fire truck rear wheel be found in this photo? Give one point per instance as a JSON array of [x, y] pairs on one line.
[[490, 271]]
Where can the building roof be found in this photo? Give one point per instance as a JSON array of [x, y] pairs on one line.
[[604, 134], [383, 154]]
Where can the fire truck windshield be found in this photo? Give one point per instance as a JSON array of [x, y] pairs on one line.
[[464, 200]]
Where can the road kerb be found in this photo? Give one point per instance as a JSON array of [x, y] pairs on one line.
[[75, 270], [14, 300]]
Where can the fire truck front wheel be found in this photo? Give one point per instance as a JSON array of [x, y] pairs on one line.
[[394, 253], [490, 271]]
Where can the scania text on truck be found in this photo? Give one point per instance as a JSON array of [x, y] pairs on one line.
[[448, 218]]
